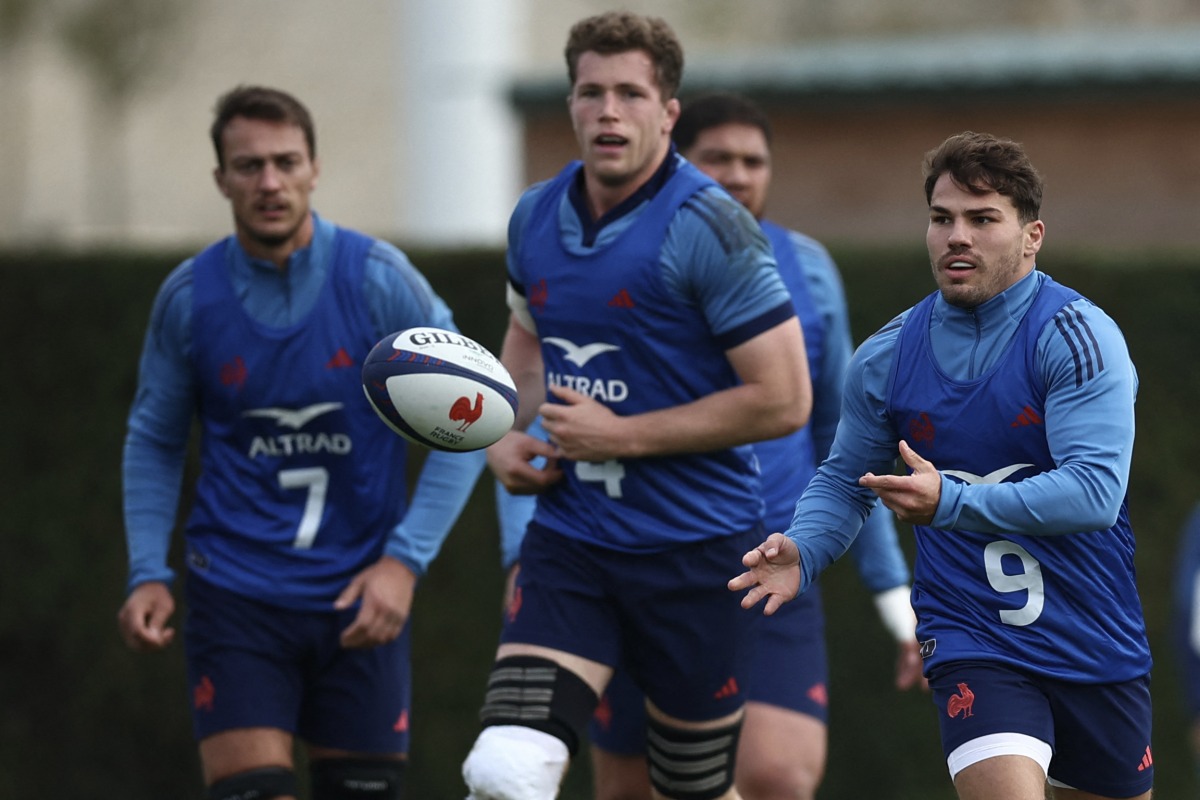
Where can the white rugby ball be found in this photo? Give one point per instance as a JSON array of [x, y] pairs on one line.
[[438, 388]]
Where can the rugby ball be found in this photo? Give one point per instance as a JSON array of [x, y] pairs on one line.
[[440, 389]]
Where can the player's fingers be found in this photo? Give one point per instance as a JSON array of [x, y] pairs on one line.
[[743, 581], [564, 393], [755, 596], [158, 616], [372, 632], [351, 593], [353, 636], [913, 459]]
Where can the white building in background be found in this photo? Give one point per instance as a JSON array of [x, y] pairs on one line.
[[416, 133], [416, 138]]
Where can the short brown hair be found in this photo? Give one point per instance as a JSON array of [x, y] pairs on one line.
[[622, 31], [982, 163], [260, 102]]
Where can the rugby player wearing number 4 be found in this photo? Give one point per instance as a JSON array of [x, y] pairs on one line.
[[646, 302], [783, 744], [1011, 400], [302, 559]]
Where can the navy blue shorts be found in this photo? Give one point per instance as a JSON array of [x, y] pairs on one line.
[[251, 664], [667, 616], [788, 668], [1099, 733]]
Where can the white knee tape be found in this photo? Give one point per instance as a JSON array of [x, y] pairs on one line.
[[512, 762]]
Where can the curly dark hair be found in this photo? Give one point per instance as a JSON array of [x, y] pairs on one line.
[[982, 163], [622, 31]]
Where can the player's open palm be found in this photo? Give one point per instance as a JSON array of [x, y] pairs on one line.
[[386, 591], [772, 572], [142, 619]]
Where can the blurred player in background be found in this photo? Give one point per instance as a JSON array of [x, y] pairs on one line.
[[648, 312], [1010, 399], [302, 549], [1186, 625]]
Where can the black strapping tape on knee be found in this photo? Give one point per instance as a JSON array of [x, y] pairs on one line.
[[257, 784], [357, 779], [690, 764], [537, 693]]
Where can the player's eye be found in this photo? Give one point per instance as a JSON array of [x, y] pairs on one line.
[[247, 167]]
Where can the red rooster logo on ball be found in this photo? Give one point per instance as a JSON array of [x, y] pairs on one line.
[[462, 411]]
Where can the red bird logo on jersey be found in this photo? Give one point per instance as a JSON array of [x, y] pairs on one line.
[[233, 373], [538, 294], [462, 411], [921, 429], [961, 702]]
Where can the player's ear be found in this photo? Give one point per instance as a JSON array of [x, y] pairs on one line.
[[672, 108], [219, 178], [1035, 233], [312, 184]]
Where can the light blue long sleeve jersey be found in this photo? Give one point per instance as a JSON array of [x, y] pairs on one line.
[[160, 420], [1089, 427]]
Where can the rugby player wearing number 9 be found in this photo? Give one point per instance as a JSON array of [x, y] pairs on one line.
[[440, 389]]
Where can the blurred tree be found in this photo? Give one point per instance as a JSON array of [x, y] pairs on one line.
[[17, 19], [121, 46]]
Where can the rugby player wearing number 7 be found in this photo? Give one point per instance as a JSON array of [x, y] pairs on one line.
[[1010, 398], [648, 310], [303, 551]]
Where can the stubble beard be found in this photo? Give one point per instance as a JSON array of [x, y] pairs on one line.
[[996, 277]]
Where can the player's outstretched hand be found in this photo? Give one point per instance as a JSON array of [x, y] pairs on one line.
[[913, 497], [772, 572], [386, 589], [509, 460], [142, 619]]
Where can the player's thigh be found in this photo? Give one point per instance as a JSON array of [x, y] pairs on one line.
[[244, 661], [563, 600], [991, 710], [239, 750], [619, 776], [1008, 777], [781, 753], [1103, 736], [685, 636], [618, 734], [793, 636], [358, 700]]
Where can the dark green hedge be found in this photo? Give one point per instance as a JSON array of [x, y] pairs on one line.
[[80, 716]]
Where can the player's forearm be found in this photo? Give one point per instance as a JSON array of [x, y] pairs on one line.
[[1069, 499], [445, 485], [151, 480], [521, 355], [828, 517], [724, 419]]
